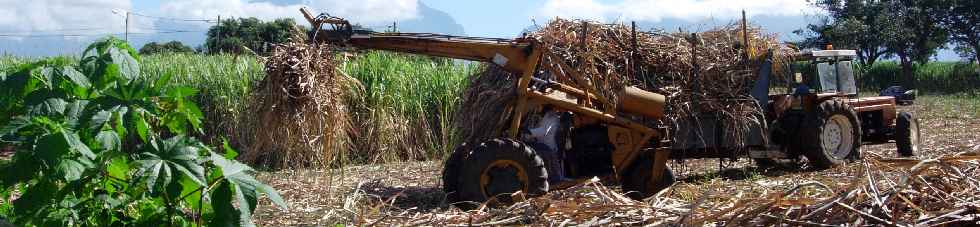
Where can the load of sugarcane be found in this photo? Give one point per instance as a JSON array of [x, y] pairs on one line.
[[705, 72]]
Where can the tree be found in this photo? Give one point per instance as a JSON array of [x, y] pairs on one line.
[[850, 24], [250, 35], [915, 36], [961, 18], [168, 47]]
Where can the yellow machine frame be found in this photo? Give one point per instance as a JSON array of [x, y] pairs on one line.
[[523, 56]]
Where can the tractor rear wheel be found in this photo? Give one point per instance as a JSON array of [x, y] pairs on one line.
[[497, 169], [637, 180], [835, 134], [450, 172], [907, 134]]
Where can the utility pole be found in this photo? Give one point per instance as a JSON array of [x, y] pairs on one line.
[[127, 27], [217, 35]]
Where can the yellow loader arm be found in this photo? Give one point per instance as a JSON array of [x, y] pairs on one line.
[[514, 55]]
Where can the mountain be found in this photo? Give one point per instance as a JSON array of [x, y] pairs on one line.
[[429, 20]]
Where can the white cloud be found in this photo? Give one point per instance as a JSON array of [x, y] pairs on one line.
[[656, 10], [357, 11], [78, 17]]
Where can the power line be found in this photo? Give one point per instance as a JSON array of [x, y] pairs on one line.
[[100, 34], [28, 33], [173, 18], [56, 30]]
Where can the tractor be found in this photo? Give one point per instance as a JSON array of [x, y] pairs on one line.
[[581, 135], [821, 117]]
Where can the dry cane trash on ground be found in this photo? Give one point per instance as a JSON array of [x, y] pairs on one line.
[[886, 191]]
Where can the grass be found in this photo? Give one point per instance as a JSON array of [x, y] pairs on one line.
[[934, 77], [406, 103], [223, 83]]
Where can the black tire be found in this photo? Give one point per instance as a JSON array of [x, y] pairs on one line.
[[504, 159], [832, 116], [636, 179], [766, 163], [907, 134], [771, 163], [450, 172]]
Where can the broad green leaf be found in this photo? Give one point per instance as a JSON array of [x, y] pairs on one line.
[[35, 198], [49, 107], [99, 120], [75, 144], [15, 124], [110, 75], [152, 168], [225, 213], [108, 140], [128, 68], [193, 115], [119, 168], [241, 175], [70, 170], [48, 74], [192, 190], [73, 112], [50, 148], [76, 77], [230, 152], [142, 127], [176, 154], [180, 92]]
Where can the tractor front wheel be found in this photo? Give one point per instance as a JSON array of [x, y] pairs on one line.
[[450, 172], [496, 170], [907, 134], [638, 182], [835, 134]]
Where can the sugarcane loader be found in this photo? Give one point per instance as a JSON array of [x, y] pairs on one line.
[[598, 135]]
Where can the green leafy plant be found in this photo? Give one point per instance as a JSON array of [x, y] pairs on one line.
[[99, 144]]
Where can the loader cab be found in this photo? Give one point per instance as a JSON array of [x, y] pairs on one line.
[[825, 72]]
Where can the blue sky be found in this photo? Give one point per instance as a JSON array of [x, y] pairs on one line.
[[32, 27]]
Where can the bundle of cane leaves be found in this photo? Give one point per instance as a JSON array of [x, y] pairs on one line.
[[299, 109], [99, 144]]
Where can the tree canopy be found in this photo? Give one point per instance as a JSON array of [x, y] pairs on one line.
[[961, 18], [250, 35], [910, 30], [168, 47]]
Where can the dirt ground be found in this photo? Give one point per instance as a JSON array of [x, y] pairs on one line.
[[365, 195]]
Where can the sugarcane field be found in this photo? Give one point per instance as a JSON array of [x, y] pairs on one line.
[[496, 113]]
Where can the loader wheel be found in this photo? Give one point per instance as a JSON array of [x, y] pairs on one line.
[[835, 134], [907, 134], [450, 172], [497, 169], [636, 179]]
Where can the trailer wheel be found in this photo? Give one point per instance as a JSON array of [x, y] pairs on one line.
[[498, 168], [637, 179], [907, 134], [771, 163], [450, 172], [835, 134]]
